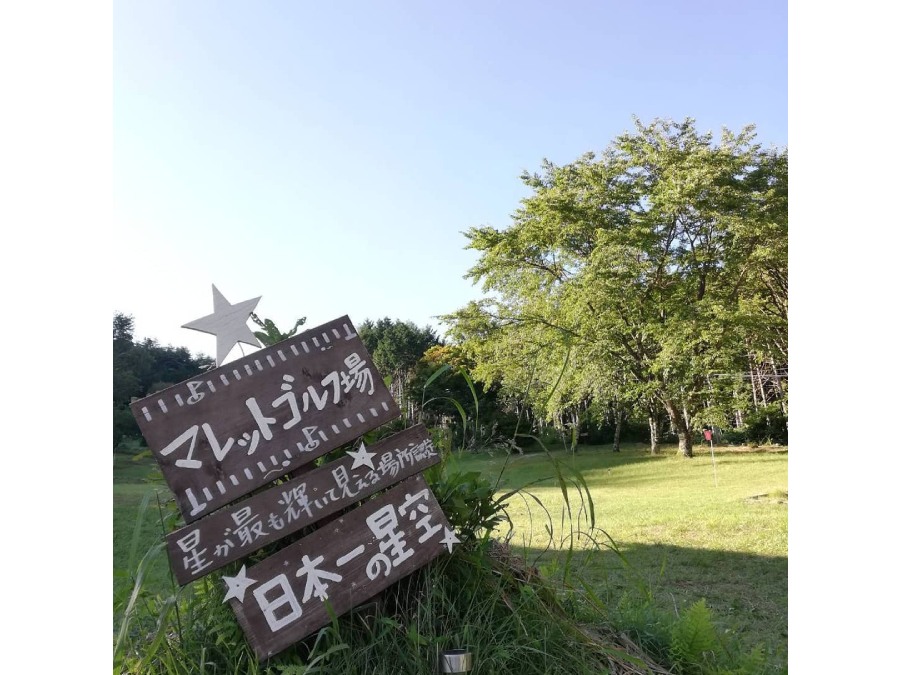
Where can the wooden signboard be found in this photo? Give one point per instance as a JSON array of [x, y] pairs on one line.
[[244, 424], [283, 598], [239, 529]]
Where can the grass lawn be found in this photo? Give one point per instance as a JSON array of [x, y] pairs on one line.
[[136, 479], [681, 534], [683, 537]]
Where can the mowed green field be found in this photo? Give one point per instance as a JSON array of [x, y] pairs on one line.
[[684, 530]]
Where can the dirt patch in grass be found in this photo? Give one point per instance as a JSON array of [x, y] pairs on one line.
[[777, 497]]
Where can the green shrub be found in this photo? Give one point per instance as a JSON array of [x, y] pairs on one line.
[[735, 436], [767, 425]]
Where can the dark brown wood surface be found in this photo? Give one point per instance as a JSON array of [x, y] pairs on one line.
[[239, 529], [227, 432], [282, 599]]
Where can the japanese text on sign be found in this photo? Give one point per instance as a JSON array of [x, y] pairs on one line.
[[282, 599], [240, 529], [245, 424]]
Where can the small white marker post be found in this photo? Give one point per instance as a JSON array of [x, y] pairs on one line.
[[708, 434]]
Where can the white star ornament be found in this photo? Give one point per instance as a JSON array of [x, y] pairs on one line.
[[238, 585], [449, 539], [362, 457], [228, 323]]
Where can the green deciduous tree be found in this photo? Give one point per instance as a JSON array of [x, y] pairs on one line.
[[636, 273], [140, 368], [396, 347]]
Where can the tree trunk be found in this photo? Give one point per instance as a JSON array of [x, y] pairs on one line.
[[762, 390], [654, 433], [682, 428], [778, 384], [576, 429], [753, 383], [618, 432]]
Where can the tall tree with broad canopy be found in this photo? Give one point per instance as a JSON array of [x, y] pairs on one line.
[[396, 347], [636, 273]]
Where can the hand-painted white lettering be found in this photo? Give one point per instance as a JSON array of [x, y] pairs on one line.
[[342, 482], [316, 579], [262, 422], [218, 451], [196, 395], [194, 561], [294, 502], [310, 394], [249, 527], [334, 379], [361, 376], [388, 464], [270, 605], [189, 462], [347, 557], [276, 522], [413, 510], [383, 524], [196, 507], [290, 398], [311, 443]]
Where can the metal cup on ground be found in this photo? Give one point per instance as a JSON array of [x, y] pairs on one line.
[[456, 661]]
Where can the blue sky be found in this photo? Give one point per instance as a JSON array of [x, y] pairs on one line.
[[328, 156]]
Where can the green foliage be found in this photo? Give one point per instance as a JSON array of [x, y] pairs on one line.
[[693, 639], [643, 270], [468, 501], [270, 334], [141, 368], [767, 425]]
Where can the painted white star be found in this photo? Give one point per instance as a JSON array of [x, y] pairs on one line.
[[228, 323], [362, 457], [238, 585], [449, 539]]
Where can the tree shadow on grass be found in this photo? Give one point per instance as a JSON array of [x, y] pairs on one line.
[[747, 593]]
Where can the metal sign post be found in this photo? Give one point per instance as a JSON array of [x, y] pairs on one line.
[[707, 434]]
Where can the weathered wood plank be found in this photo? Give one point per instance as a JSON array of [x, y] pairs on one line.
[[223, 434], [239, 529], [282, 599]]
